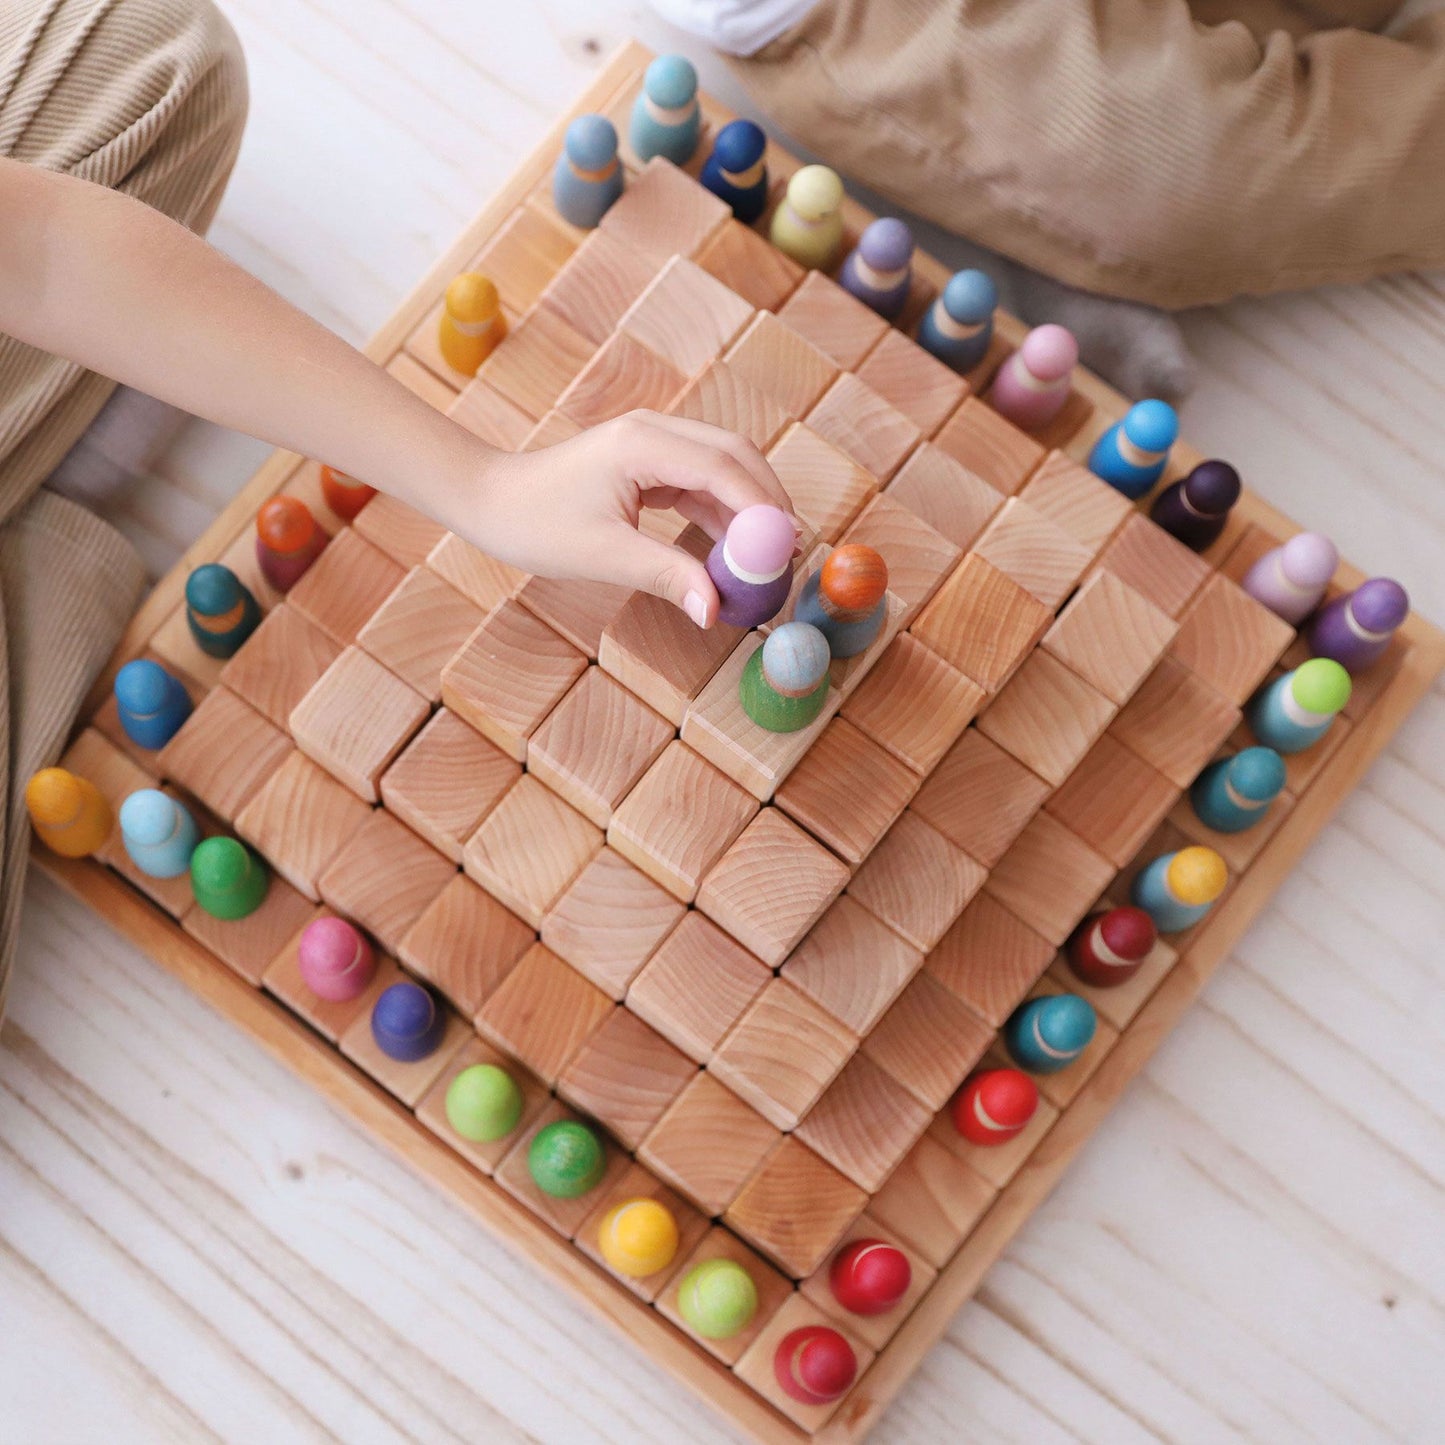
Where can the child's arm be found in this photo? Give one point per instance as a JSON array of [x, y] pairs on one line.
[[104, 281]]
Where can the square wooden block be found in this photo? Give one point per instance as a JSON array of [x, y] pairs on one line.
[[527, 250], [1113, 800], [626, 1076], [465, 943], [990, 447], [623, 376], [1047, 716], [419, 629], [1175, 721], [708, 1144], [300, 820], [487, 414], [1050, 878], [1074, 499], [918, 557], [928, 1040], [543, 1012], [609, 921], [1040, 556], [917, 384], [636, 1183], [917, 882], [566, 1216], [665, 213], [579, 611], [853, 965], [595, 745], [512, 672], [223, 753], [279, 664], [529, 849], [384, 879], [400, 531], [697, 985], [746, 263], [248, 945], [826, 486], [864, 1123], [933, 1200], [356, 719], [482, 580], [782, 364], [847, 791], [594, 289], [950, 498], [983, 622], [432, 1110], [852, 416], [686, 316], [446, 780], [1110, 635], [721, 396], [995, 1164], [282, 979], [1155, 564], [1119, 1004], [345, 585], [1229, 639], [838, 324], [771, 886], [537, 361], [990, 959]]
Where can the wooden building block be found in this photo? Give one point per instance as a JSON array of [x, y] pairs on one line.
[[636, 1183], [1110, 635], [865, 1122], [795, 1208], [1155, 564], [595, 745], [1050, 878], [1113, 800], [990, 959], [679, 819], [356, 719], [609, 922], [446, 780], [529, 848], [853, 965], [916, 881], [465, 943], [771, 886], [299, 820], [913, 703], [990, 447], [950, 498], [983, 622], [223, 753], [1073, 498], [578, 611], [1047, 716], [665, 213], [486, 413], [852, 416], [1175, 721], [1238, 850], [419, 629], [995, 1164], [709, 1143], [720, 395], [566, 1216], [1119, 1004], [1229, 639], [384, 879], [933, 1200], [717, 727], [918, 557], [543, 1012], [928, 1040], [527, 250], [623, 376], [279, 664], [746, 263], [432, 1110], [282, 978], [403, 533], [686, 316], [626, 1076], [826, 486], [512, 672], [697, 985], [1041, 557], [980, 797], [917, 384], [847, 791], [597, 285], [345, 585], [782, 1053], [482, 580], [773, 1288], [781, 364], [838, 324], [537, 361]]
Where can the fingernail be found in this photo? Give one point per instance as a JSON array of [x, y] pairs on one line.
[[695, 606]]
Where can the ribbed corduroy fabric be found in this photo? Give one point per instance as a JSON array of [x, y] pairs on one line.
[[1126, 147], [146, 97]]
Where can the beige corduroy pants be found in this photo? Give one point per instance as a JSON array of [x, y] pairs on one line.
[[147, 97]]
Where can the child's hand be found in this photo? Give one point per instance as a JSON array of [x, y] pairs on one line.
[[571, 510]]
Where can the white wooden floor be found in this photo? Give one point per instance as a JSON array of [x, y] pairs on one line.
[[194, 1247]]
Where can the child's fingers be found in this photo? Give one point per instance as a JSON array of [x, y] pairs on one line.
[[637, 560], [707, 512], [739, 450]]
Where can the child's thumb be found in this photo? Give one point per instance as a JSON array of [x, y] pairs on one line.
[[652, 566]]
